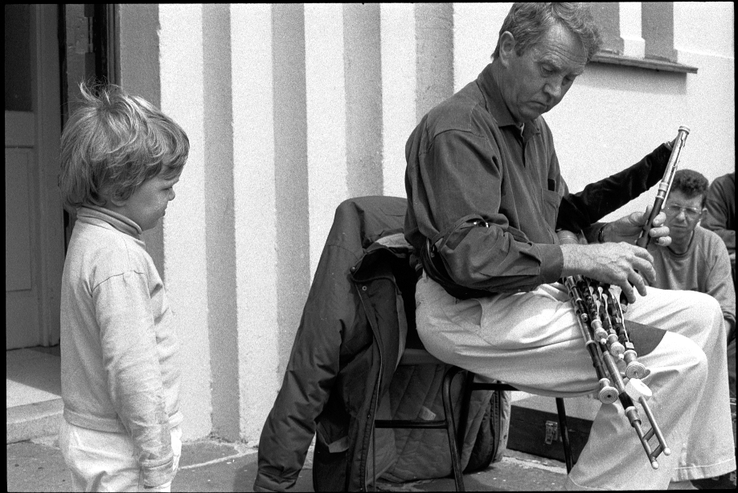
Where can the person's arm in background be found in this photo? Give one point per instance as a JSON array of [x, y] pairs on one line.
[[719, 284], [720, 204]]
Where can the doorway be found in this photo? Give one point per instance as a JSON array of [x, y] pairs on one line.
[[34, 234], [49, 49]]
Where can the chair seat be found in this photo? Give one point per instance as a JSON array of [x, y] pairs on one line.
[[413, 357], [417, 356]]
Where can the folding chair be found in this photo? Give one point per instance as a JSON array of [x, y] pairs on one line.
[[417, 356]]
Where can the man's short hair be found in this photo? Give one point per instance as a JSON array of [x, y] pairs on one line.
[[528, 22], [113, 143], [690, 183]]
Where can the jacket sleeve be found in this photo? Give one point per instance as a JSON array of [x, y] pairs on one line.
[[719, 214], [579, 211], [309, 377], [133, 373]]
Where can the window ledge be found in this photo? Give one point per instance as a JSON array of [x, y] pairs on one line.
[[645, 63]]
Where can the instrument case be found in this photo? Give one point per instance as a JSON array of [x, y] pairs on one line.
[[534, 429], [534, 425]]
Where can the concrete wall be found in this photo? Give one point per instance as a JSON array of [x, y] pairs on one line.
[[291, 109]]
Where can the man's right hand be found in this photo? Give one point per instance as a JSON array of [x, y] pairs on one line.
[[628, 228], [620, 264]]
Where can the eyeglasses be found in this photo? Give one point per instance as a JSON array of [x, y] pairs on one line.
[[690, 212]]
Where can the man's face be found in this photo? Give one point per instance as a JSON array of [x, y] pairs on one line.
[[537, 80], [682, 215]]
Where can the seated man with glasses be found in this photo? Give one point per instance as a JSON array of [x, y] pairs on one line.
[[697, 259]]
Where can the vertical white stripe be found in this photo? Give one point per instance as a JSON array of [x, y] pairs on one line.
[[181, 75], [255, 212], [326, 120], [630, 29], [398, 91]]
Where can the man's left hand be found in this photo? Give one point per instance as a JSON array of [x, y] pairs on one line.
[[628, 228]]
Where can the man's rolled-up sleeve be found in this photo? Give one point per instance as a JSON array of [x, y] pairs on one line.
[[459, 179]]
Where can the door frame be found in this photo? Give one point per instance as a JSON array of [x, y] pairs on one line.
[[47, 106], [100, 64]]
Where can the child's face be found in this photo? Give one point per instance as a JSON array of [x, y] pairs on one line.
[[149, 203]]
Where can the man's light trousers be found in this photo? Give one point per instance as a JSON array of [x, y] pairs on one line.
[[532, 340]]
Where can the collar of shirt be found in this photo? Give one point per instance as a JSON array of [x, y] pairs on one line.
[[496, 105], [118, 221], [681, 250]]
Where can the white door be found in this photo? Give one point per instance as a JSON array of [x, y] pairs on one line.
[[34, 229]]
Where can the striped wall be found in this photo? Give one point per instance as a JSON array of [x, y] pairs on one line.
[[292, 108]]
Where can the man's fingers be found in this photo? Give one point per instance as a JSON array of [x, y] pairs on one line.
[[640, 218], [641, 259], [663, 241], [627, 290], [639, 283], [643, 270], [659, 220]]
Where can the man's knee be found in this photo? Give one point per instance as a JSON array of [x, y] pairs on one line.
[[713, 305], [696, 361], [713, 314], [699, 301], [703, 309], [688, 360]]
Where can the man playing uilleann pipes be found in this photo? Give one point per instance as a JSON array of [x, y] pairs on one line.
[[485, 199]]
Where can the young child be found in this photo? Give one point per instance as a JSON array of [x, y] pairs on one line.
[[120, 159]]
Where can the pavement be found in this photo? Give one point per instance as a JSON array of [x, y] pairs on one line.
[[215, 465], [34, 412], [34, 461]]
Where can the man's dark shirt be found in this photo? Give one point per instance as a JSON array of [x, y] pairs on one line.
[[488, 195]]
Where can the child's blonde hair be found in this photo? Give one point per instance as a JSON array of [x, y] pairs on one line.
[[114, 143]]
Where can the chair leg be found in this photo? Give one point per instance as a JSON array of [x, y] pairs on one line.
[[450, 429], [564, 433], [464, 416]]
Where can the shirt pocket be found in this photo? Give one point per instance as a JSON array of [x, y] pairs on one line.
[[550, 206]]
